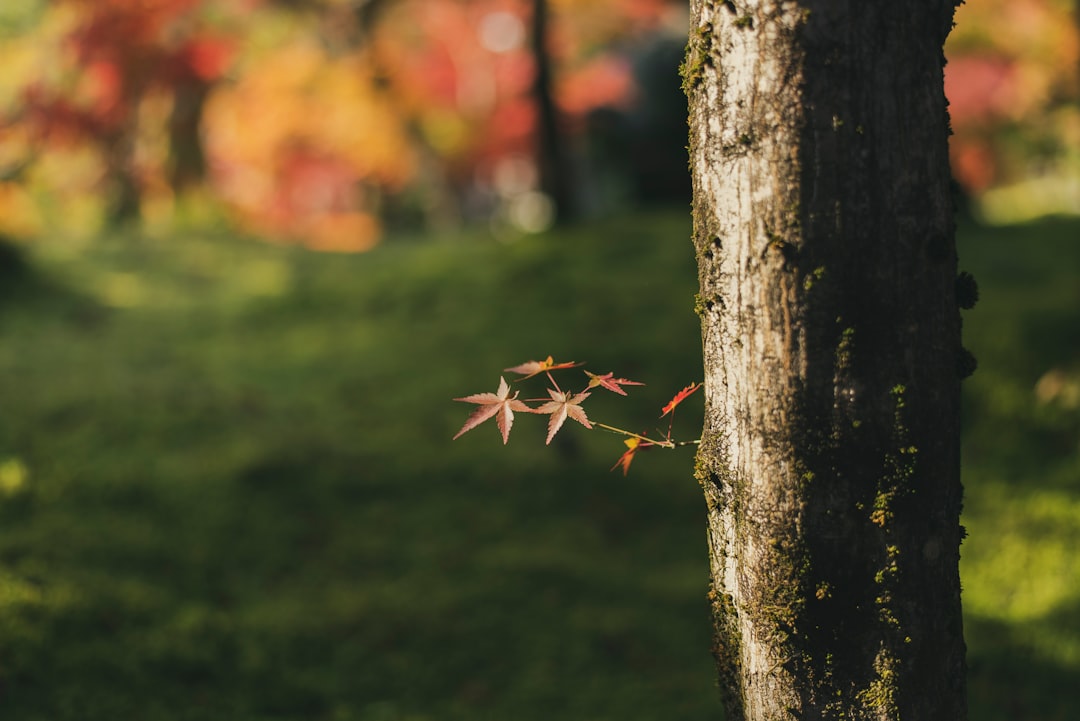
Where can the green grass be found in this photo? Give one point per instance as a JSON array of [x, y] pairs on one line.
[[1021, 563], [227, 487]]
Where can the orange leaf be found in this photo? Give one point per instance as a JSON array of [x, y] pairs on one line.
[[633, 445], [679, 398]]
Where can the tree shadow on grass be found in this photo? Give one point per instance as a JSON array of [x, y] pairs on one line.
[[24, 287], [17, 277]]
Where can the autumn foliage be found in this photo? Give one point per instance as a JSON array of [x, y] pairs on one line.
[[307, 122], [1013, 84], [120, 60], [561, 405], [318, 122]]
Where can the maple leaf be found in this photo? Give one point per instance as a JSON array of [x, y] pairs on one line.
[[632, 446], [560, 406], [679, 398], [532, 368], [611, 383], [500, 405]]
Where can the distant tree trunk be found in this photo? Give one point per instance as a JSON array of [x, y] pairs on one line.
[[827, 265], [124, 192], [187, 159], [555, 176]]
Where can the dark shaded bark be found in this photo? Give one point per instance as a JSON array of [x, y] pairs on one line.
[[830, 454]]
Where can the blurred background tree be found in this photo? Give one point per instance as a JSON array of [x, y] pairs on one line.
[[118, 86], [1013, 83], [327, 121], [324, 121]]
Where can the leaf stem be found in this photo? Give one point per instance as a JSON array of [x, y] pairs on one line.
[[552, 379], [667, 443]]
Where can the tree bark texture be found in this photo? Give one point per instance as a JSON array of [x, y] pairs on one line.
[[828, 295]]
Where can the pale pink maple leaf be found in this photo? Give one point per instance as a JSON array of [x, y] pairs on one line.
[[501, 405], [560, 406], [609, 381]]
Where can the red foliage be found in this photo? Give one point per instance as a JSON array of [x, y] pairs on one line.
[[449, 81], [981, 89], [121, 50], [679, 398]]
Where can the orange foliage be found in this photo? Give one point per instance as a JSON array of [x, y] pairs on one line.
[[105, 86], [305, 135], [292, 142]]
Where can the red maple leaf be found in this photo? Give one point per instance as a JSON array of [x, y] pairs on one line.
[[501, 405], [679, 398], [560, 406], [611, 383], [532, 368]]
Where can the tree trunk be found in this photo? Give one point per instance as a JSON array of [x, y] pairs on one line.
[[555, 177], [124, 193], [827, 266], [187, 158]]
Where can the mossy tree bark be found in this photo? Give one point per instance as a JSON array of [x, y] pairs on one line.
[[827, 265]]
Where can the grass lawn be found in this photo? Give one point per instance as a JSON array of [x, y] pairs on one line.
[[228, 491]]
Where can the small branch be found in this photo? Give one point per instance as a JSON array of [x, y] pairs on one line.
[[644, 439]]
